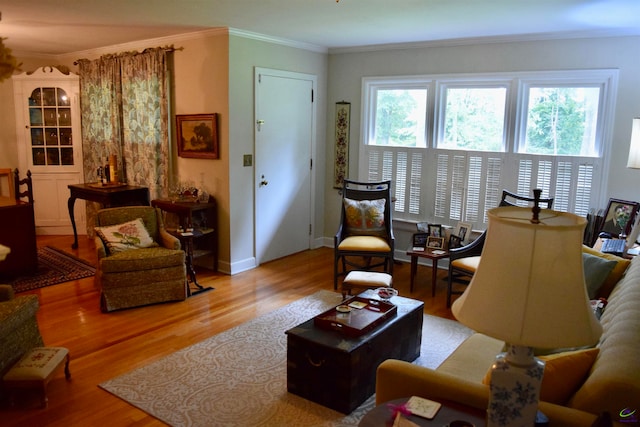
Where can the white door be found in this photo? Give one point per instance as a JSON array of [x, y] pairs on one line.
[[284, 114], [47, 104]]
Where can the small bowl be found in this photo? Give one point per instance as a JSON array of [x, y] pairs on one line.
[[386, 293], [343, 309]]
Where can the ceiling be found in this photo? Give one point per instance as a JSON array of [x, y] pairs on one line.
[[55, 27]]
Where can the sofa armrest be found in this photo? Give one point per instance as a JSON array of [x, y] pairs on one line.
[[168, 241], [101, 249], [6, 293], [396, 379]]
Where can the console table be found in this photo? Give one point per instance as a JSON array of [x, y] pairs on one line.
[[107, 195]]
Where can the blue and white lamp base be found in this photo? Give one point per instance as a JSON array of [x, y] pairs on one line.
[[516, 378]]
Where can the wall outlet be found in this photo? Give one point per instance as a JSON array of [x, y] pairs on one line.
[[247, 160]]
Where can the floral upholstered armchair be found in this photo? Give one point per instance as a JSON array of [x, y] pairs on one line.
[[139, 262], [19, 330]]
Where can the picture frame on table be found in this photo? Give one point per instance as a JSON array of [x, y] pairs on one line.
[[423, 227], [435, 230], [197, 136], [619, 217], [455, 242], [435, 242], [420, 239], [463, 231]]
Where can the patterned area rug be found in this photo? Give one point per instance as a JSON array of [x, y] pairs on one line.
[[239, 377], [54, 266]]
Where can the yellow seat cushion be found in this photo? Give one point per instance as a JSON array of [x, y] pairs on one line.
[[467, 264], [614, 276], [564, 373], [364, 243]]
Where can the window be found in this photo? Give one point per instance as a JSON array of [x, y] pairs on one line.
[[450, 144], [400, 117], [474, 118]]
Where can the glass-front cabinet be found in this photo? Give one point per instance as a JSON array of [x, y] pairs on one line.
[[49, 143], [50, 125]]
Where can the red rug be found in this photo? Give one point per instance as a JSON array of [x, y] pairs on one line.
[[54, 266]]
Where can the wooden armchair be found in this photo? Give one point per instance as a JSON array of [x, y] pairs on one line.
[[364, 240], [143, 273], [464, 261]]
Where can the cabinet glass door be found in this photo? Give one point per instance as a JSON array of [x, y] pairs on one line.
[[50, 125]]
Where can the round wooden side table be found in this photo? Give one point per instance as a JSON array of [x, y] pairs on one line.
[[382, 415]]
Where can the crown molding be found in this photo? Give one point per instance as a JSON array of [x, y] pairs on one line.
[[277, 40], [488, 40]]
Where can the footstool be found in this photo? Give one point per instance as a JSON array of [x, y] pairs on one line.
[[365, 280], [35, 369]]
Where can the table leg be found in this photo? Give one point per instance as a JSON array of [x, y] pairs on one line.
[[434, 276], [191, 272], [70, 203], [414, 268]]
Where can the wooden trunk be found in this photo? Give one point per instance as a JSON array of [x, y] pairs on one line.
[[338, 371]]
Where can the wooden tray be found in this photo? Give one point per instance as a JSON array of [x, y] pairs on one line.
[[358, 321], [108, 185]]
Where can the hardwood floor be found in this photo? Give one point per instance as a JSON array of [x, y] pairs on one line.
[[103, 346]]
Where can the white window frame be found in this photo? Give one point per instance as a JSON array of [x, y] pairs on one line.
[[416, 173]]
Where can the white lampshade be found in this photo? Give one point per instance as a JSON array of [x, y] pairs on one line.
[[634, 148], [529, 287]]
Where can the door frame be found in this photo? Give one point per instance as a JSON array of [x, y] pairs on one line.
[[313, 149]]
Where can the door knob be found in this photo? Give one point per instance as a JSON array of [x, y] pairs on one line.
[[263, 182]]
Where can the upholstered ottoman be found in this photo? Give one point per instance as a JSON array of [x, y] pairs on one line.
[[35, 369], [365, 280]]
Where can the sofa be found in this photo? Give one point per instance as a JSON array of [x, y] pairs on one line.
[[19, 330], [610, 381]]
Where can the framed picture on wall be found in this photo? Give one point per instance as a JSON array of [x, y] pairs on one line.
[[197, 136], [619, 216]]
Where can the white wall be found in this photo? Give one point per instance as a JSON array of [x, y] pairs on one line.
[[244, 55], [347, 68]]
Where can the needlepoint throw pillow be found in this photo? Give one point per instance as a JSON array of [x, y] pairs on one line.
[[615, 275], [365, 216], [122, 237], [564, 373]]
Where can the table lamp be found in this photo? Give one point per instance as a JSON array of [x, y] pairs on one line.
[[528, 291], [634, 148]]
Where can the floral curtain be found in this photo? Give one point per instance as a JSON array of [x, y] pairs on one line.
[[124, 108]]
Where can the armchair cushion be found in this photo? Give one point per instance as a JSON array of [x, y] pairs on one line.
[[125, 236], [467, 264], [364, 243], [142, 259], [365, 216]]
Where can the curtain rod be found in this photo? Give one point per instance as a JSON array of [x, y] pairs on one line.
[[134, 52]]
